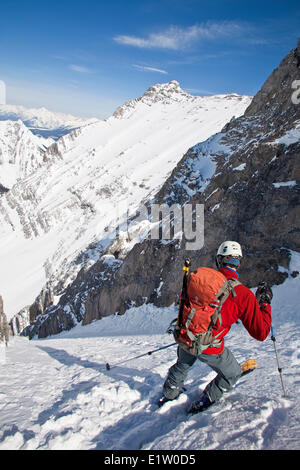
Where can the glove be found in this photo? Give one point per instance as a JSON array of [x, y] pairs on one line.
[[264, 293]]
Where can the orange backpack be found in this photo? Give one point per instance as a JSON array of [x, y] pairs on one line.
[[206, 291]]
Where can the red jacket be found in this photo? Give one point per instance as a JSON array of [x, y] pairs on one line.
[[256, 319]]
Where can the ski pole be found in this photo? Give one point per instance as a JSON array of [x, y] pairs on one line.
[[279, 368], [108, 366]]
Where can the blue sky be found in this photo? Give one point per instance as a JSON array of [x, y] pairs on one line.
[[88, 57]]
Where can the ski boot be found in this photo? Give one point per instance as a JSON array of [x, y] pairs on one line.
[[164, 399], [248, 366], [200, 405]]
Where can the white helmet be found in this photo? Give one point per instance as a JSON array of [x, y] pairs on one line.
[[230, 248], [229, 253]]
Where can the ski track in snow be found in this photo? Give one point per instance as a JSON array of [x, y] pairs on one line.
[[56, 393]]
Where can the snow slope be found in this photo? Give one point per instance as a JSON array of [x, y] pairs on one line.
[[96, 175], [78, 404]]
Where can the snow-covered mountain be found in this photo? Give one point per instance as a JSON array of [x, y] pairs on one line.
[[248, 177], [43, 122], [21, 152], [66, 213]]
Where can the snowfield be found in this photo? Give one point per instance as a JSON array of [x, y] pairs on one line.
[[56, 393]]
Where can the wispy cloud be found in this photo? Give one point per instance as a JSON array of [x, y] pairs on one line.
[[176, 38], [143, 68], [80, 68]]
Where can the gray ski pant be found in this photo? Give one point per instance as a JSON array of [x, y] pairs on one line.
[[227, 368]]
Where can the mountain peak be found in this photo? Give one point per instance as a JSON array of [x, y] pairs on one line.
[[164, 93], [168, 87]]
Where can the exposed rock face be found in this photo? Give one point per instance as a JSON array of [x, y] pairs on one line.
[[42, 302], [4, 328], [248, 179], [20, 321], [274, 97], [3, 189]]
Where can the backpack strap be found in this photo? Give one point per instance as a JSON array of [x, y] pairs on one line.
[[190, 318], [232, 284], [222, 295]]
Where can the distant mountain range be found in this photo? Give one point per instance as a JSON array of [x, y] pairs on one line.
[[43, 122]]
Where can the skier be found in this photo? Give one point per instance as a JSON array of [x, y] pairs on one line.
[[254, 311]]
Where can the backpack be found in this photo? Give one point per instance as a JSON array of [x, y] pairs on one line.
[[206, 291]]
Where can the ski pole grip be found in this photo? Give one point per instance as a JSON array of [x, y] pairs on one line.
[[187, 265]]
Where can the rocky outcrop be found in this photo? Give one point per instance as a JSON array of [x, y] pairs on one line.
[[4, 328], [41, 303], [247, 177], [3, 190], [20, 321], [275, 96], [28, 315]]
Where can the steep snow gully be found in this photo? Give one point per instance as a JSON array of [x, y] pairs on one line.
[[56, 393], [87, 407]]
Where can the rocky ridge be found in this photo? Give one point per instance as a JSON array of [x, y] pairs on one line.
[[4, 327]]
